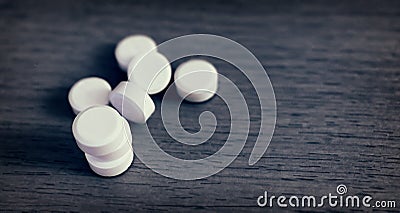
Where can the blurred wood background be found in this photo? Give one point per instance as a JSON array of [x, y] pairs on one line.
[[334, 65]]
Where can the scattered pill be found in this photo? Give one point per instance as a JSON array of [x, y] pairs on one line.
[[131, 47], [196, 80], [125, 145], [98, 130], [110, 168], [152, 72], [88, 92], [132, 102]]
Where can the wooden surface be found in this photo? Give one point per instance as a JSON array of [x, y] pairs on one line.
[[334, 66]]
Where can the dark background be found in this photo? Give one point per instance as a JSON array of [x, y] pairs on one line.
[[334, 66]]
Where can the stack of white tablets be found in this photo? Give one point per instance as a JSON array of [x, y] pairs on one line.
[[106, 139], [100, 131]]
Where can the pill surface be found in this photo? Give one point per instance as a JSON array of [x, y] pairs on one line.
[[196, 80], [131, 47], [152, 72], [98, 130], [110, 168], [125, 145], [88, 92], [132, 102]]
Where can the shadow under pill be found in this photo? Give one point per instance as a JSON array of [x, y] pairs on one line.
[[46, 153], [104, 65], [57, 105]]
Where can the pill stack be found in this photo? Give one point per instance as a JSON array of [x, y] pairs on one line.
[[105, 137], [100, 131]]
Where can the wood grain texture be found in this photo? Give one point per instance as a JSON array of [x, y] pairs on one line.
[[334, 65]]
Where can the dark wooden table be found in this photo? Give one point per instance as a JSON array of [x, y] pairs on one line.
[[334, 65]]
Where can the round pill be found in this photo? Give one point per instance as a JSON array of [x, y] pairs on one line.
[[125, 146], [131, 47], [152, 72], [88, 92], [97, 130], [110, 168], [196, 80], [132, 102]]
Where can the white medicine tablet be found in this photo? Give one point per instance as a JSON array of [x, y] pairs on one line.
[[110, 168], [132, 102], [131, 47], [88, 92], [196, 80], [125, 146], [152, 72], [97, 130]]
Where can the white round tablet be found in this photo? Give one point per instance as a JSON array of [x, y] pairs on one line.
[[125, 146], [132, 102], [98, 129], [196, 80], [88, 92], [152, 72], [131, 47], [110, 168]]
